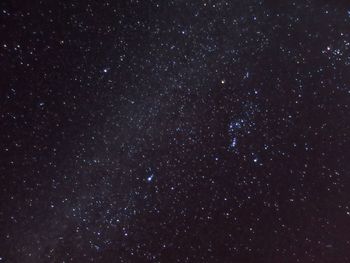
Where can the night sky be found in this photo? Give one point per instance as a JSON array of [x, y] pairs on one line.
[[174, 131]]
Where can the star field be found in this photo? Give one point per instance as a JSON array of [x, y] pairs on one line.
[[174, 131]]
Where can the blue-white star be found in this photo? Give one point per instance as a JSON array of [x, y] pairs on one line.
[[149, 178]]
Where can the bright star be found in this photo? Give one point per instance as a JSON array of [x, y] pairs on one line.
[[150, 177]]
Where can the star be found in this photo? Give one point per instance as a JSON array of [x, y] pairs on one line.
[[149, 178]]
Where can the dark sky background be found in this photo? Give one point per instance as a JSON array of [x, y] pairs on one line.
[[174, 131]]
